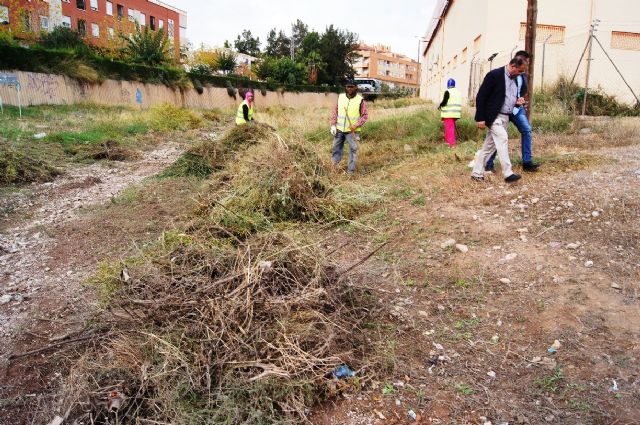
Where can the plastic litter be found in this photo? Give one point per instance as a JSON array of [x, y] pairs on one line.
[[412, 415], [615, 386], [343, 371], [554, 347]]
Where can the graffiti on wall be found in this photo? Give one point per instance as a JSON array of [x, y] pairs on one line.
[[45, 86]]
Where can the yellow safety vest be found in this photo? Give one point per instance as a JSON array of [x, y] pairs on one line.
[[453, 108], [240, 116], [348, 112]]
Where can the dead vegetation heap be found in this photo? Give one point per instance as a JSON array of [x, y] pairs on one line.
[[238, 317]]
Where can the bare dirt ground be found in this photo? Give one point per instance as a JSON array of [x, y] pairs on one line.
[[46, 254], [470, 335], [465, 331]]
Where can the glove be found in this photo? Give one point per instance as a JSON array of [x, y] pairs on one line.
[[333, 130]]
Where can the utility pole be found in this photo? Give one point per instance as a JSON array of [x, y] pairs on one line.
[[530, 47], [589, 59]]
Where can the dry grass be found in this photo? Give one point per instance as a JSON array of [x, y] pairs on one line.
[[18, 167], [230, 319], [211, 332]]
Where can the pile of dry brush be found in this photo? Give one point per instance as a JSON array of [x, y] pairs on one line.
[[236, 318]]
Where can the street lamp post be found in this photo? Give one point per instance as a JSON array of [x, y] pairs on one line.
[[420, 40], [544, 49]]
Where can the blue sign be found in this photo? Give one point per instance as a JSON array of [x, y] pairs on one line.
[[138, 97], [9, 80]]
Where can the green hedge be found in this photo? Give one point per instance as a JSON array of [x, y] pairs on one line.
[[244, 82], [91, 68], [67, 62]]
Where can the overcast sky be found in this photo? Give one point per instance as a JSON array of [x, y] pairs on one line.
[[392, 23]]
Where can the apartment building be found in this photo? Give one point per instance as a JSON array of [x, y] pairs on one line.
[[379, 62], [465, 39], [98, 20]]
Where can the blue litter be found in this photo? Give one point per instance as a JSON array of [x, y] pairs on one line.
[[343, 371]]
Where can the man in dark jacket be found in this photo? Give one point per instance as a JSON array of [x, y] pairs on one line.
[[496, 99], [521, 121]]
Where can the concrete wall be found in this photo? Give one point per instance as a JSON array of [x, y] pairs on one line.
[[48, 89], [499, 23]]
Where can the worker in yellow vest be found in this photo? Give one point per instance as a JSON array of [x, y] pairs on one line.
[[450, 110], [347, 119], [245, 110]]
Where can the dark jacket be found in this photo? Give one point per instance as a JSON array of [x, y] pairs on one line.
[[491, 95]]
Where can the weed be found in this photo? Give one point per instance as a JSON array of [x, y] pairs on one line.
[[388, 389], [17, 167], [465, 324], [623, 361], [540, 306], [419, 201], [464, 389], [167, 117], [579, 405], [409, 283], [551, 383], [460, 283]]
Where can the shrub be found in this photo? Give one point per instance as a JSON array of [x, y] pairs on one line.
[[63, 38], [148, 47], [17, 167], [167, 117]]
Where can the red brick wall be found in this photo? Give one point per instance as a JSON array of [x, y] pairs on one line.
[[100, 17]]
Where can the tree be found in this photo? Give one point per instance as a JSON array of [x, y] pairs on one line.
[[315, 65], [62, 38], [299, 31], [310, 44], [337, 49], [247, 44], [281, 71], [278, 44], [148, 47], [204, 59], [227, 45], [226, 61]]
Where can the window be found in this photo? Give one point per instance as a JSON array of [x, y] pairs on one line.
[[170, 29], [44, 23], [130, 15], [161, 24], [120, 9], [555, 32], [109, 8], [95, 30], [625, 40], [25, 15], [4, 15], [66, 21], [464, 55], [82, 27], [94, 4], [476, 44], [142, 20], [81, 4], [111, 33], [152, 23]]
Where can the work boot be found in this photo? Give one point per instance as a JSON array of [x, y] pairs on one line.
[[530, 167], [513, 178]]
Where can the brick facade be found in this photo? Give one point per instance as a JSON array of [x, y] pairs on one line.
[[380, 63], [100, 20]]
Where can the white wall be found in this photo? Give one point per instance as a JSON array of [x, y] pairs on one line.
[[499, 22]]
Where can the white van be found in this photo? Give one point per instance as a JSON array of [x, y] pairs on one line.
[[368, 85]]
